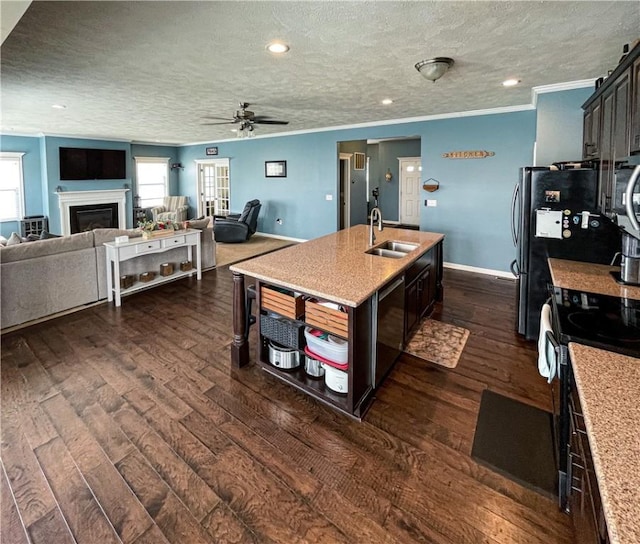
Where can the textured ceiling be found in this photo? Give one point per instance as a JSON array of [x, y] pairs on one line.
[[151, 71]]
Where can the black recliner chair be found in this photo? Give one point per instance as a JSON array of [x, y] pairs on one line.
[[238, 227]]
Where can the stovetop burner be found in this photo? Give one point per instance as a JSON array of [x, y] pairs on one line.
[[611, 323]]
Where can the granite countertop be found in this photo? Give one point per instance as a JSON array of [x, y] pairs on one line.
[[590, 277], [608, 385], [336, 266]]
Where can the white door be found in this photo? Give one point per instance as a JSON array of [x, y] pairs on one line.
[[410, 174], [213, 187]]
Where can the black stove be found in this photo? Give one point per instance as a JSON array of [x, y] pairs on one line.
[[601, 321]]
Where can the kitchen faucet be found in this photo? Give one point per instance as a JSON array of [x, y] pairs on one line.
[[375, 214]]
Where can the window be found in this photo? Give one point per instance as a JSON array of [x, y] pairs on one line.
[[11, 187], [152, 180]]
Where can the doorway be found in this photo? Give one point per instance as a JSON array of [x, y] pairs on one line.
[[214, 193], [344, 207], [410, 174]]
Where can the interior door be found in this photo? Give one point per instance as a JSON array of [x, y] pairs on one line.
[[213, 187], [410, 173]]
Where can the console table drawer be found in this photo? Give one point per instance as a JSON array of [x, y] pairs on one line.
[[129, 252], [173, 241]]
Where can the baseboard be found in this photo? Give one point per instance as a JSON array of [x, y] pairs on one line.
[[487, 271], [267, 235]]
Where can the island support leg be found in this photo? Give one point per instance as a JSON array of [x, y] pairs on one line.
[[240, 345]]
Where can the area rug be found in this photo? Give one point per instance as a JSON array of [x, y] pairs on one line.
[[256, 245], [516, 440], [438, 342]]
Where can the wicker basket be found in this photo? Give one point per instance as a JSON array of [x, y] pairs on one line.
[[284, 332]]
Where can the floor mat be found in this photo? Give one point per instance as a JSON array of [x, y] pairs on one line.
[[516, 440], [437, 342]]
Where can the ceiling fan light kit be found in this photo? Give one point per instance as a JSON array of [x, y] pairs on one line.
[[246, 119], [434, 69]]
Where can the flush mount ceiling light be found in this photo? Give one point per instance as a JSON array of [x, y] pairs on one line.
[[510, 82], [277, 47], [387, 101], [434, 69], [59, 107]]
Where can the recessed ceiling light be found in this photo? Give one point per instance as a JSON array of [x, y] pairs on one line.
[[510, 82], [59, 107], [387, 101], [277, 47]]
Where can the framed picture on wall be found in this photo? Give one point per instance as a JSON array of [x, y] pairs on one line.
[[358, 161], [211, 150], [275, 169]]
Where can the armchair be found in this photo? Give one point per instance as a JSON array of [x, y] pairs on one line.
[[173, 208], [238, 228]]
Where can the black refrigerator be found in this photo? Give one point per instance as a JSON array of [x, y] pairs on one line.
[[555, 214]]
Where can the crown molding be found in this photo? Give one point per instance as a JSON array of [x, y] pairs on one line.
[[558, 87], [386, 122]]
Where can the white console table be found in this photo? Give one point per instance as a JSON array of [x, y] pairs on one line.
[[138, 247]]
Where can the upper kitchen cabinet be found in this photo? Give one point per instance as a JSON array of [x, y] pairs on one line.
[[612, 121], [635, 107]]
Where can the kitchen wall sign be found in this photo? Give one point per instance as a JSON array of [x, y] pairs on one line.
[[211, 150], [468, 154]]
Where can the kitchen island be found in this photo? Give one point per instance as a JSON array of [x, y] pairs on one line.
[[334, 284]]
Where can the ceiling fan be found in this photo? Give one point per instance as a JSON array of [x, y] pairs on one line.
[[246, 119]]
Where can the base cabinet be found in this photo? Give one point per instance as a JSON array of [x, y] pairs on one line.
[[283, 319], [585, 504], [422, 288]]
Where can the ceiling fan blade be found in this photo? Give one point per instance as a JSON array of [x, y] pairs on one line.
[[221, 123], [229, 119], [270, 122]]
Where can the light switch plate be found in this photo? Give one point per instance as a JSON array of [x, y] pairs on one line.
[[328, 197], [432, 203]]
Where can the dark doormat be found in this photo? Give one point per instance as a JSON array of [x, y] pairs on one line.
[[516, 440]]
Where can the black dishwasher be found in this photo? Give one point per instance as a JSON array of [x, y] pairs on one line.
[[388, 314]]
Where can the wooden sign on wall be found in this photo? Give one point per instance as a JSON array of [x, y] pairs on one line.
[[468, 154]]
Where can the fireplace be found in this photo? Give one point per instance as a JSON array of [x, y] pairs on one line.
[[93, 216], [91, 202]]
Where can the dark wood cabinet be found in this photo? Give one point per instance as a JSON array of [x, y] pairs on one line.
[[421, 291], [634, 136], [585, 504], [591, 131], [611, 127]]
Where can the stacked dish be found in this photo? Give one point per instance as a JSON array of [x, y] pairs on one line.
[[333, 354]]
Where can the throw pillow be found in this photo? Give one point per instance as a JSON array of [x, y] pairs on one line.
[[199, 224], [44, 235], [3, 241], [14, 239], [33, 237]]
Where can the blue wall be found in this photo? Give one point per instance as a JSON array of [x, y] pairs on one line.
[[51, 160], [31, 167], [559, 120], [388, 154], [473, 201], [475, 194]]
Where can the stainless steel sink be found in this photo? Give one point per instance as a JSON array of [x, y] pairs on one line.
[[395, 245], [382, 252]]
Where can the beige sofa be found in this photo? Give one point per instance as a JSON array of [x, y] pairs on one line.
[[40, 279]]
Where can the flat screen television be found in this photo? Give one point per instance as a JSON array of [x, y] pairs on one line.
[[77, 163]]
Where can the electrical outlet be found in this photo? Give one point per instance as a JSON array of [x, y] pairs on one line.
[[328, 197]]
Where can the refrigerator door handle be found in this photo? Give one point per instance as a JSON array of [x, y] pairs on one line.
[[514, 268], [631, 214], [514, 199]]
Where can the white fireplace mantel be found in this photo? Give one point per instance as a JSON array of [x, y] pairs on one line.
[[66, 199]]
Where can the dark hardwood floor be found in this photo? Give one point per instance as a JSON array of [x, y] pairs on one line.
[[128, 425]]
